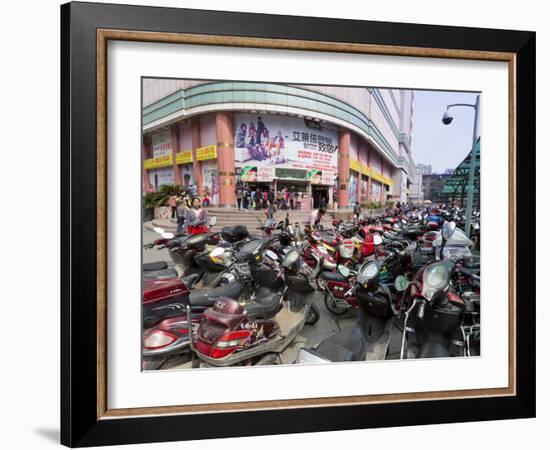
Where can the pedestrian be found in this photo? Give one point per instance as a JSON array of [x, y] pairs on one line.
[[271, 210], [173, 203], [264, 203], [292, 199], [316, 216], [279, 199], [196, 218], [252, 201], [271, 196], [205, 198], [239, 193], [246, 198], [258, 198], [181, 211], [357, 210]]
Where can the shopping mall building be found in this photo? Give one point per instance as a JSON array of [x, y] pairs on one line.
[[335, 145]]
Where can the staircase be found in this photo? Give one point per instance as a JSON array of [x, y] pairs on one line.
[[249, 218]]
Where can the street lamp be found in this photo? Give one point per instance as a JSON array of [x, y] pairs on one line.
[[447, 119]]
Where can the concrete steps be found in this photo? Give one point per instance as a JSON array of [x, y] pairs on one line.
[[232, 217]]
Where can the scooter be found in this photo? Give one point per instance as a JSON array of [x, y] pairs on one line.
[[229, 335], [368, 339], [337, 286], [434, 310], [182, 250], [256, 283]]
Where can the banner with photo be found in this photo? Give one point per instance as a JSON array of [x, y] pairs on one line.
[[263, 140]]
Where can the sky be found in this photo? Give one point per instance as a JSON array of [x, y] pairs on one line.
[[441, 146]]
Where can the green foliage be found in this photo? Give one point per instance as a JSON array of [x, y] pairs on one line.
[[372, 205], [390, 204], [161, 196]]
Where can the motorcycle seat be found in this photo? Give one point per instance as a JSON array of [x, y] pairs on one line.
[[333, 276], [234, 234], [265, 304], [347, 345], [208, 296], [157, 265]]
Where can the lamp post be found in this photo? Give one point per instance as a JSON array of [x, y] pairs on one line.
[[447, 119]]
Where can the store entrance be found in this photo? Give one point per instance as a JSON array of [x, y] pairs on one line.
[[255, 194], [320, 196], [296, 195]]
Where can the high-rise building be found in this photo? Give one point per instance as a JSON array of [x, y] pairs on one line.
[[424, 169]]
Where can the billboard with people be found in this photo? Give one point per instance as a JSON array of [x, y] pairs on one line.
[[284, 142]]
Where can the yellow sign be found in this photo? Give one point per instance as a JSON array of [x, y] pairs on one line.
[[365, 170], [205, 153], [159, 161], [184, 157], [355, 165], [382, 178]]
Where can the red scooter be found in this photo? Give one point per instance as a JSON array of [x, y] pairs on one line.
[[229, 335], [337, 287]]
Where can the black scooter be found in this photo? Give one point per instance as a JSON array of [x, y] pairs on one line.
[[435, 312]]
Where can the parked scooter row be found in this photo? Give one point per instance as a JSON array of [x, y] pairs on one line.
[[257, 284], [434, 309], [239, 299]]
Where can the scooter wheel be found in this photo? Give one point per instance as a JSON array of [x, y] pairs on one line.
[[331, 305], [312, 315]]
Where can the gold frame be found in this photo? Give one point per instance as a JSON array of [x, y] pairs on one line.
[[104, 35]]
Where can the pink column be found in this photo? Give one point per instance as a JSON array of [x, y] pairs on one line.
[[175, 131], [196, 143], [369, 185], [226, 158], [358, 197], [344, 144], [146, 150]]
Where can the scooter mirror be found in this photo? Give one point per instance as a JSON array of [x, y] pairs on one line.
[[344, 271], [158, 230], [447, 230], [167, 235], [401, 283], [377, 239], [213, 221]]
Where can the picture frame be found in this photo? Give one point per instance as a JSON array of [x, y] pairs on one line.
[[86, 28]]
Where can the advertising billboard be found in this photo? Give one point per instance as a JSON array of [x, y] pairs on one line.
[[284, 143]]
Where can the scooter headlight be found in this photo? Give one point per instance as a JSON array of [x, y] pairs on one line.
[[435, 279], [367, 272]]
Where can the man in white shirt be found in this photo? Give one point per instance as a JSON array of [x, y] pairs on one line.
[[316, 216]]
